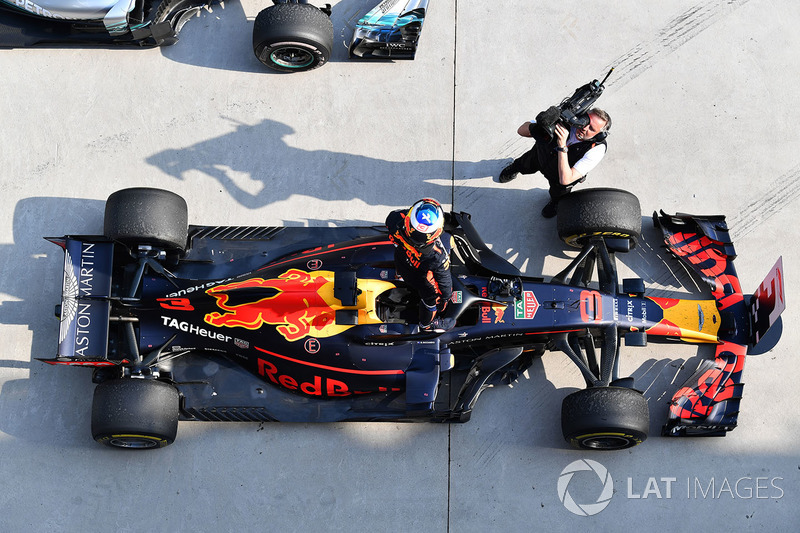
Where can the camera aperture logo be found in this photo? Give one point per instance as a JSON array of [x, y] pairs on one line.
[[585, 509], [594, 478]]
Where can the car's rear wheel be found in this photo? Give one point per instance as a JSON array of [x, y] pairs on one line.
[[605, 418], [135, 413], [293, 37], [147, 216], [599, 212]]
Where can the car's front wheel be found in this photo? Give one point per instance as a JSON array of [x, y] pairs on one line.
[[293, 37], [602, 212], [605, 418], [135, 413]]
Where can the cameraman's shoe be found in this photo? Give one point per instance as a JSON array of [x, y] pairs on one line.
[[507, 174], [550, 210]]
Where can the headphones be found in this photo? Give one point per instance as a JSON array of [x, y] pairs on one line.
[[602, 134], [599, 137]]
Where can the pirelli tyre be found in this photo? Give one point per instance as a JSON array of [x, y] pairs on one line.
[[293, 37], [599, 212], [135, 413], [147, 216], [605, 418]]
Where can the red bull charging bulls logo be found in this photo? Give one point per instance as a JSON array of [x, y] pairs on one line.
[[298, 305]]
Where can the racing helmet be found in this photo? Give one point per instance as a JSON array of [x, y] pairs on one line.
[[424, 222]]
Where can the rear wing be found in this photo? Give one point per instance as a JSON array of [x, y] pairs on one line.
[[708, 403], [85, 308], [390, 30]]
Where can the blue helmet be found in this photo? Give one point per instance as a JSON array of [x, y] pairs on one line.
[[424, 221]]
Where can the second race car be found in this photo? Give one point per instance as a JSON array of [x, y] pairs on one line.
[[289, 36]]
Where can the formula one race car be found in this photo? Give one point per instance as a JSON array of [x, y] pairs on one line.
[[312, 324], [290, 36]]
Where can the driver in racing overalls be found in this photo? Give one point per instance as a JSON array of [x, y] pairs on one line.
[[422, 260]]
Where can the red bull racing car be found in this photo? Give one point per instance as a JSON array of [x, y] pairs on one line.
[[302, 324]]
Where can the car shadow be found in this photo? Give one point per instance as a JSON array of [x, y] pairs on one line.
[[32, 285]]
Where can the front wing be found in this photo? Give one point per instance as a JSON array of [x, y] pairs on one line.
[[708, 403]]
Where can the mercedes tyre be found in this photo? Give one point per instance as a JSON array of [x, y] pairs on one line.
[[293, 37]]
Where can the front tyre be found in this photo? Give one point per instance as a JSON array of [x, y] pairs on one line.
[[600, 212], [293, 37], [135, 414], [605, 418]]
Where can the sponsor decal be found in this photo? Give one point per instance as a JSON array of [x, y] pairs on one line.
[[186, 327], [296, 306], [485, 317], [201, 287], [312, 345], [527, 307], [318, 386], [456, 297], [239, 343], [314, 264], [36, 9], [79, 281]]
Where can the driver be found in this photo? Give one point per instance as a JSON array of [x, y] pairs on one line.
[[422, 260]]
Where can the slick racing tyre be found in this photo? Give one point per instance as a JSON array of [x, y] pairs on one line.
[[135, 413], [147, 216], [599, 212], [605, 418], [293, 37]]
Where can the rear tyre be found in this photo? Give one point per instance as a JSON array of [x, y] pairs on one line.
[[605, 418], [293, 37], [599, 212], [136, 414], [147, 216]]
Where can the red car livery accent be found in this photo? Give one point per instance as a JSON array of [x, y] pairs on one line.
[[296, 307]]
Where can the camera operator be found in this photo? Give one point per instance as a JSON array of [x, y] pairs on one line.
[[563, 154]]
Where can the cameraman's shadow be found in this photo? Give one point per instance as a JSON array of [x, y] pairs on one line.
[[257, 167]]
